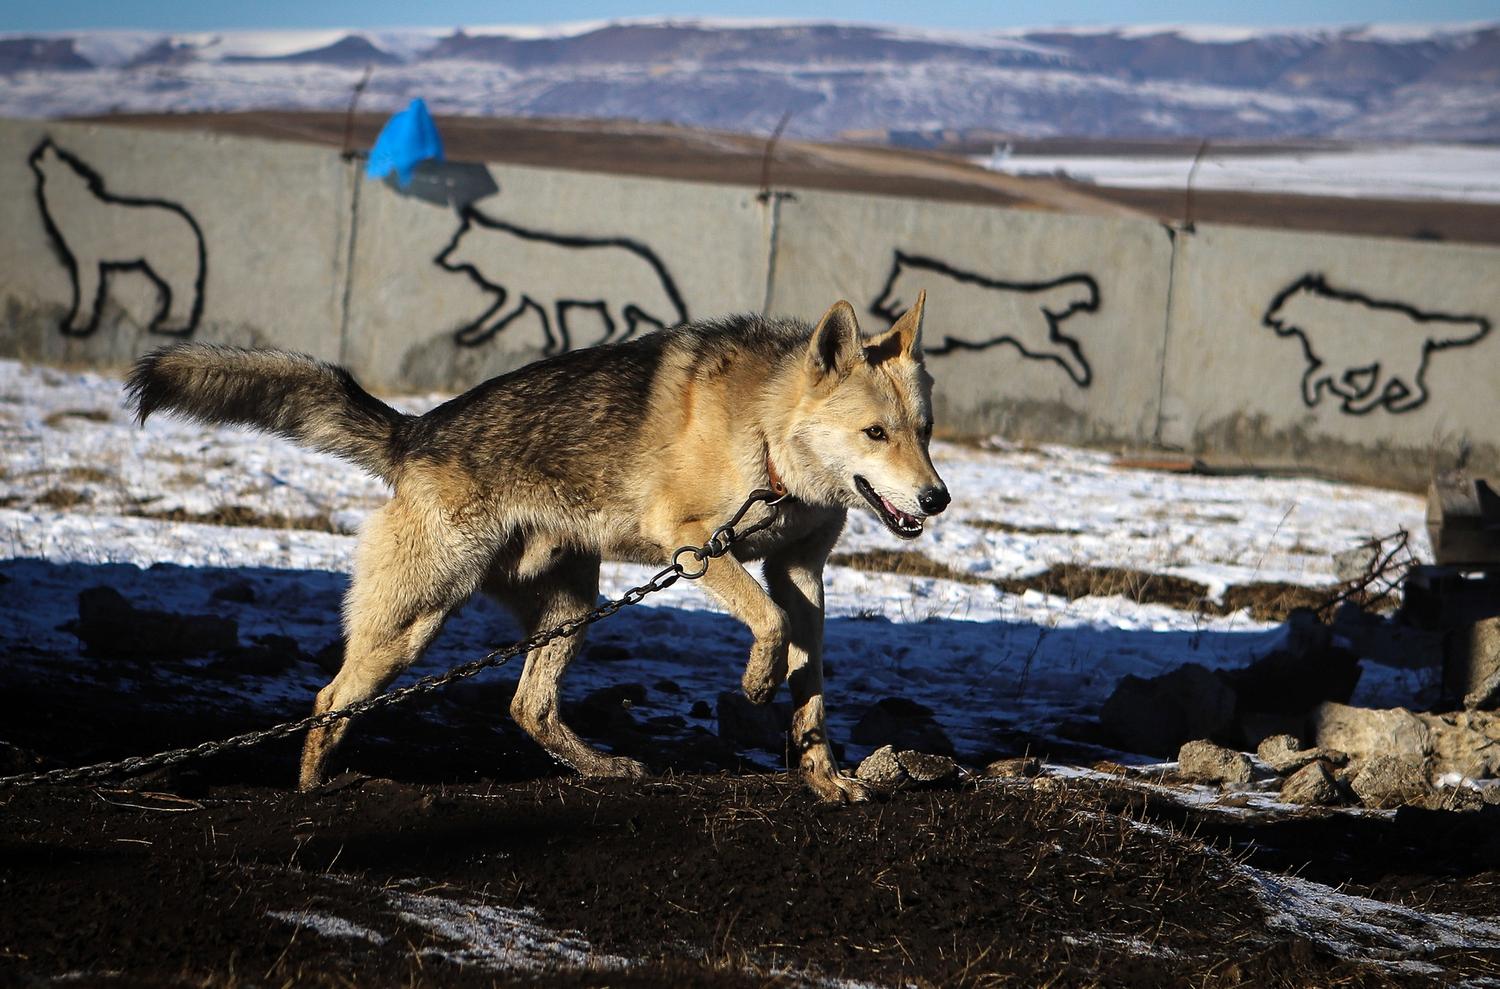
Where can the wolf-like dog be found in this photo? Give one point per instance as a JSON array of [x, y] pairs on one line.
[[629, 450]]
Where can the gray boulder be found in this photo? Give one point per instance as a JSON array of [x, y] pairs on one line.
[[1313, 785], [1205, 762], [1388, 781]]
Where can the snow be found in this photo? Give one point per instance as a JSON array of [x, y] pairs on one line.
[[1415, 171], [79, 480]]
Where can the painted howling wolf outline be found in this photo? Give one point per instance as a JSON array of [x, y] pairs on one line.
[[623, 281], [1384, 362], [1037, 332], [97, 233]]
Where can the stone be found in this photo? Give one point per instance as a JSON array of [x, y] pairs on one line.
[[1464, 742], [1455, 799], [1286, 754], [1205, 762], [1486, 696], [753, 726], [110, 626], [1313, 785], [882, 770], [1471, 664], [1156, 716], [925, 767], [1366, 732], [1388, 781], [903, 724], [1022, 767]]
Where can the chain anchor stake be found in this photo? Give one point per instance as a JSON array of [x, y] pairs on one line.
[[719, 543]]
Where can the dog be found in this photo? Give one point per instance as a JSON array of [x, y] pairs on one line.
[[1026, 315], [97, 233], [520, 486], [562, 275]]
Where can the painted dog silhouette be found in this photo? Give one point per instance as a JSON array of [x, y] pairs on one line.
[[1367, 352], [97, 233], [1025, 315], [622, 282]]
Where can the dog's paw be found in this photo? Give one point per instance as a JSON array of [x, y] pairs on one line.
[[765, 671], [839, 788], [616, 767]]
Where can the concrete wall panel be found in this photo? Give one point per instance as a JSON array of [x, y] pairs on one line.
[[1364, 357], [162, 236], [1038, 325], [554, 261]]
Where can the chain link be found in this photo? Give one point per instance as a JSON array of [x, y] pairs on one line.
[[718, 544]]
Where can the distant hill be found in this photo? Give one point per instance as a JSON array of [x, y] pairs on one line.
[[1371, 82]]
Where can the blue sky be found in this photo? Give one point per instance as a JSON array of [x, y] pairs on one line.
[[195, 15]]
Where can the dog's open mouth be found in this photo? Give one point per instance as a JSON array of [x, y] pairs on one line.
[[902, 524]]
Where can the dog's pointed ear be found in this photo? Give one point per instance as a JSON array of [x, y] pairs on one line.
[[903, 339], [836, 342]]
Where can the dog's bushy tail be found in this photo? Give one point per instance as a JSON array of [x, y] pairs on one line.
[[296, 396]]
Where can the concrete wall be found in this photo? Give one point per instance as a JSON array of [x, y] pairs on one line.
[[1359, 357], [1040, 326], [212, 238], [553, 261]]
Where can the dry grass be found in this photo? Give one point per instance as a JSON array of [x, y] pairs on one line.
[[995, 525], [1267, 601], [240, 515], [89, 415], [62, 498]]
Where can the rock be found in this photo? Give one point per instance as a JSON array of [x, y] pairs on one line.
[[1205, 762], [1387, 781], [607, 709], [15, 760], [700, 709], [1285, 754], [924, 767], [1158, 715], [903, 724], [1464, 742], [1365, 733], [1023, 767], [109, 625], [1457, 799], [1313, 785], [330, 659], [1486, 696], [236, 591], [1471, 663], [882, 770], [754, 726], [606, 652]]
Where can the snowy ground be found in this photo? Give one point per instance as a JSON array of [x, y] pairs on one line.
[[1415, 171], [78, 482]]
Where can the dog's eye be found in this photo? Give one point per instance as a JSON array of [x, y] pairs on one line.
[[876, 433]]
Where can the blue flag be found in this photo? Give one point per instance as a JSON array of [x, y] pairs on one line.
[[407, 138]]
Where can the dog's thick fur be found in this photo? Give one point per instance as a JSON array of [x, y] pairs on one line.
[[628, 450]]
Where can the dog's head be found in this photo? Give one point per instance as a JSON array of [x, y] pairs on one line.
[[864, 421]]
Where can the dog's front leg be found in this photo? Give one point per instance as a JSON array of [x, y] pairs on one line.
[[729, 581], [796, 582]]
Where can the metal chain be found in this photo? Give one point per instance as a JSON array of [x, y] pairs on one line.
[[718, 544]]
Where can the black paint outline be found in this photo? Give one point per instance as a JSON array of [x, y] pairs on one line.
[[1054, 330], [1398, 396], [95, 183], [559, 339]]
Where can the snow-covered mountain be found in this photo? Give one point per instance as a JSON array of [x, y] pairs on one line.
[[1370, 82]]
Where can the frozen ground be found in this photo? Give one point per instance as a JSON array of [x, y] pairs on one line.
[[1451, 172], [79, 484]]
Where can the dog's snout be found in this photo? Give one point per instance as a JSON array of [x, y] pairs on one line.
[[934, 499]]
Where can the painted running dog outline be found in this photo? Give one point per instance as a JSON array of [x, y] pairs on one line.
[[1028, 314], [1380, 361], [621, 280], [96, 233]]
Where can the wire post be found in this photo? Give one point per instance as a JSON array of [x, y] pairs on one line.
[[347, 151]]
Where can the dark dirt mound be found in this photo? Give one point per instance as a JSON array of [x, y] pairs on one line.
[[706, 881]]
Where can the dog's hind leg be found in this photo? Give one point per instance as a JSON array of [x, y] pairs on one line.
[[411, 570], [566, 588]]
